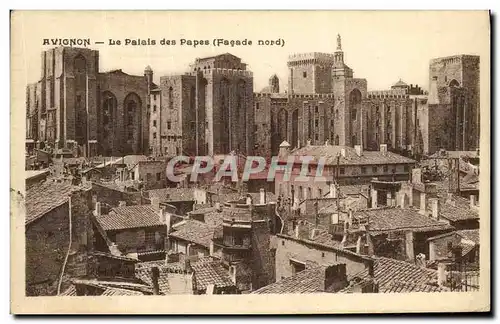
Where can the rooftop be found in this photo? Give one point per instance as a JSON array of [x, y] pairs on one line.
[[396, 219], [307, 281], [211, 273], [45, 196], [172, 194], [330, 153], [394, 276], [127, 217], [194, 231]]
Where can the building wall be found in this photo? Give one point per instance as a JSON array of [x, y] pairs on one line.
[[47, 241], [118, 136], [152, 173], [292, 249], [134, 240]]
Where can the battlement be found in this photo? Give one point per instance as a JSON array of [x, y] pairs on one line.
[[226, 72], [394, 93], [455, 59], [306, 58], [293, 96]]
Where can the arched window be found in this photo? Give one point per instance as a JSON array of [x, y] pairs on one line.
[[80, 64], [337, 140]]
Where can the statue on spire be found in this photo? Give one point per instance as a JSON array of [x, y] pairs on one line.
[[339, 45]]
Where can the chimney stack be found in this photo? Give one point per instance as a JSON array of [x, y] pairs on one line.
[[262, 196], [155, 273], [423, 203], [383, 149], [435, 208], [342, 152], [249, 200], [359, 150], [441, 274], [98, 209], [472, 201], [218, 207], [155, 203], [333, 190]]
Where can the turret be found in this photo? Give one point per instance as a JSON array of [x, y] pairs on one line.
[[148, 75]]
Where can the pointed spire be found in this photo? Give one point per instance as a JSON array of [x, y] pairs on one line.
[[339, 44]]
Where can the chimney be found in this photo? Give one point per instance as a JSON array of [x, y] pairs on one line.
[[98, 209], [301, 231], [402, 201], [435, 208], [342, 152], [416, 175], [335, 277], [383, 149], [155, 273], [122, 203], [284, 149], [333, 190], [423, 204], [472, 201], [155, 203], [350, 215], [314, 234], [359, 150], [218, 207], [249, 200], [210, 289], [374, 198], [449, 198], [359, 245], [262, 196], [389, 199], [441, 274]]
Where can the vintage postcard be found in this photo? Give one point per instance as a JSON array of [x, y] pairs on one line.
[[250, 162]]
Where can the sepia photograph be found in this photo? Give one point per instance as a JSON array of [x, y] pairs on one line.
[[328, 161]]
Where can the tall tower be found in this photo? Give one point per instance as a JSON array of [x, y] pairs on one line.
[[148, 74]]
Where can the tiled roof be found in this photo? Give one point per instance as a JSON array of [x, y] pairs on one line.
[[126, 217], [329, 153], [471, 235], [395, 219], [71, 291], [457, 213], [400, 276], [206, 273], [211, 216], [172, 194], [145, 274], [306, 281], [121, 292], [194, 231], [45, 196]]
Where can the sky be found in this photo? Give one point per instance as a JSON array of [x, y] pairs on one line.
[[381, 47]]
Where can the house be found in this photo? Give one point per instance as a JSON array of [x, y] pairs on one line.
[[53, 210], [441, 246], [138, 230], [346, 164], [181, 198]]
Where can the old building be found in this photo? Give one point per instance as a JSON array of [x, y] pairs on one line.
[[342, 164], [453, 104], [76, 107], [205, 111], [57, 222], [323, 102]]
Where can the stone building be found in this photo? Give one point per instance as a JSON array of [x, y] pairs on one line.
[[205, 111], [453, 104], [323, 102], [74, 106]]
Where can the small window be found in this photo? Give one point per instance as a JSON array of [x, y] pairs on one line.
[[363, 170], [316, 137], [154, 123], [342, 170], [257, 106], [154, 97], [316, 123], [154, 108], [353, 114], [304, 74], [331, 123], [374, 169], [283, 243], [154, 135], [406, 168], [158, 176], [316, 109], [169, 125], [386, 168], [238, 240], [322, 254]]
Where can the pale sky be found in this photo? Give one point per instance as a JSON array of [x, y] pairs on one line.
[[381, 47]]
